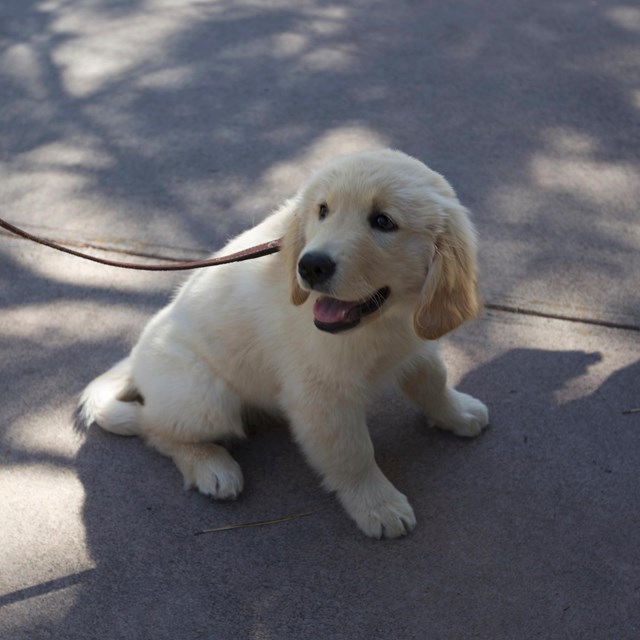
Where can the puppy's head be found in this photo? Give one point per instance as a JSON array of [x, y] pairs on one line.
[[376, 229]]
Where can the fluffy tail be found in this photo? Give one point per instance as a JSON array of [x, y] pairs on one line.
[[112, 402]]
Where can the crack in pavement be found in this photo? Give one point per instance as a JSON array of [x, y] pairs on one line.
[[178, 254]]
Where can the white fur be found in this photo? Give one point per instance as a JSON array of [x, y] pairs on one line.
[[243, 334]]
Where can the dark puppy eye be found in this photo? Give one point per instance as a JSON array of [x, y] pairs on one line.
[[382, 222], [323, 211]]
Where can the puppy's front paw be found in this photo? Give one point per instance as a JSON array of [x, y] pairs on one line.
[[380, 511], [462, 414]]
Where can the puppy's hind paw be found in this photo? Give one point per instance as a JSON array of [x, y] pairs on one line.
[[218, 476]]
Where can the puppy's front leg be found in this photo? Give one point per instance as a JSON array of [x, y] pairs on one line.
[[336, 442], [424, 380]]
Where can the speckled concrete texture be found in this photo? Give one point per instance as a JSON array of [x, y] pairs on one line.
[[162, 128]]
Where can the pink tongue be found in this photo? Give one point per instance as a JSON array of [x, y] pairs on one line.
[[330, 310]]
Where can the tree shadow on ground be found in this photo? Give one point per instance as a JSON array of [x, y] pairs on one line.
[[196, 120], [196, 136]]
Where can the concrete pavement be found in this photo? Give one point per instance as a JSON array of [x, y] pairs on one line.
[[162, 128]]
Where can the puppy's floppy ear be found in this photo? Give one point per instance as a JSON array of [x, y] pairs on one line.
[[449, 295], [292, 246]]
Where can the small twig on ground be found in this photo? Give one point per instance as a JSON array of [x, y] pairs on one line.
[[259, 523], [628, 411]]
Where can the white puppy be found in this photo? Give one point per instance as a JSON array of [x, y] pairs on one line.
[[378, 261]]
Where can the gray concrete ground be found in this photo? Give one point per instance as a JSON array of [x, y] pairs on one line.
[[164, 127]]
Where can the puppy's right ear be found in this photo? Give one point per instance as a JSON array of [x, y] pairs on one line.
[[292, 245], [449, 295]]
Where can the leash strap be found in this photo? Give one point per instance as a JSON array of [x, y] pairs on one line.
[[258, 251]]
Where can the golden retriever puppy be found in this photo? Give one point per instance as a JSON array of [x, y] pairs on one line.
[[378, 262]]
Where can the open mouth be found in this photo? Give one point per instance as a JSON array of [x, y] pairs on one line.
[[334, 315]]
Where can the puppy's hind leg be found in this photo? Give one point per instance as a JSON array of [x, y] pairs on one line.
[[207, 466], [184, 416], [424, 381]]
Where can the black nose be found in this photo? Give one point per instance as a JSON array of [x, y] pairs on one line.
[[316, 267]]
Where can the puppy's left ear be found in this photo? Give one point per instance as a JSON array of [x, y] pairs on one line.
[[449, 295], [292, 245]]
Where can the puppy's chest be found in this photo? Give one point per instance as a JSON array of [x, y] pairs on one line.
[[242, 359], [343, 365]]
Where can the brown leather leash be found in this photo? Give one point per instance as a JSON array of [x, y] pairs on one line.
[[264, 249]]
